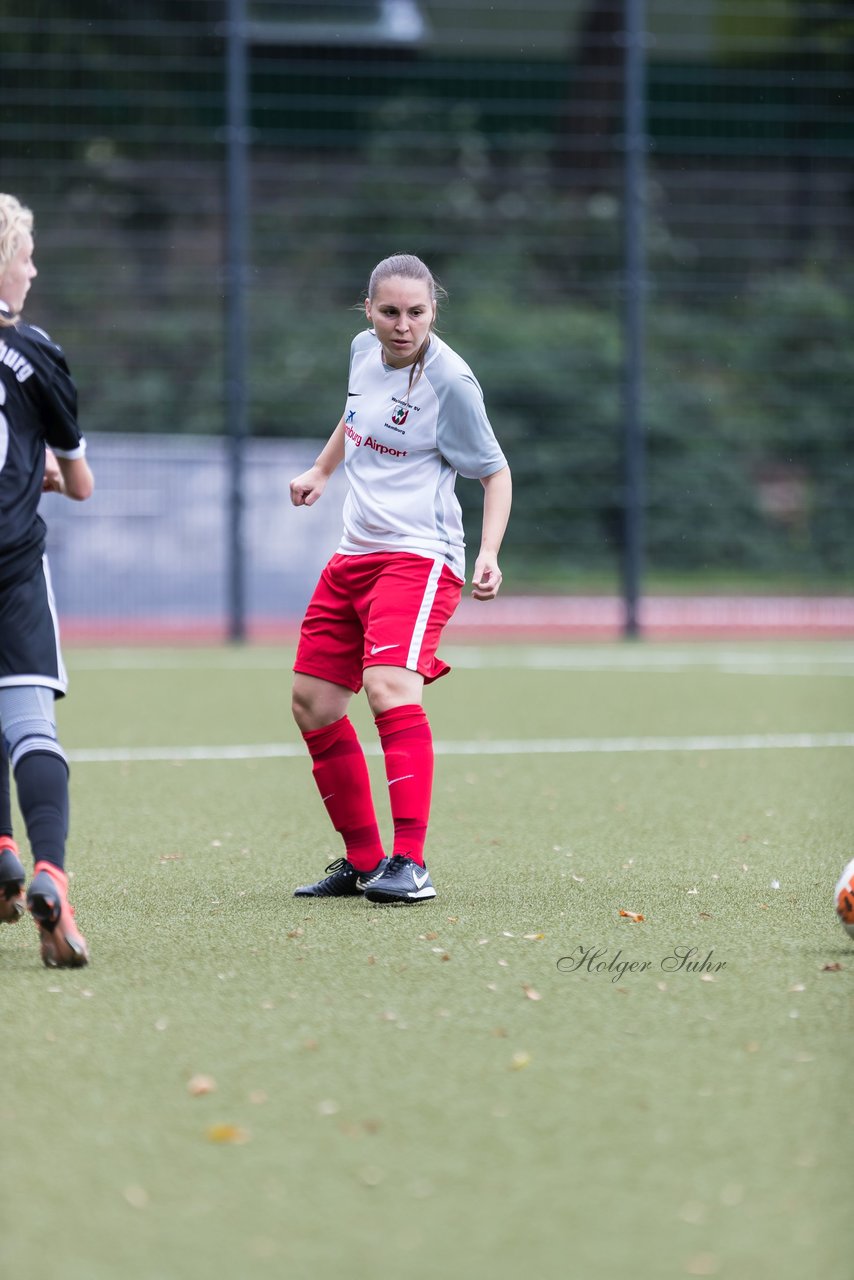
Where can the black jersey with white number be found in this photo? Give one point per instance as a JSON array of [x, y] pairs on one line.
[[38, 406]]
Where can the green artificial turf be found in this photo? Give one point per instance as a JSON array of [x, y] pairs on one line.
[[463, 1087]]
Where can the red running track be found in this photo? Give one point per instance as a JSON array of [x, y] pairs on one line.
[[552, 618]]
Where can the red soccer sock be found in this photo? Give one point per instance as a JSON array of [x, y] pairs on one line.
[[407, 744], [341, 773]]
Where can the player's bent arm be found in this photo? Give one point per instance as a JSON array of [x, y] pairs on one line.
[[77, 479], [308, 487], [332, 454], [52, 481], [497, 499]]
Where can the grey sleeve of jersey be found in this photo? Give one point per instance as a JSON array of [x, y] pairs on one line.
[[364, 341], [464, 435]]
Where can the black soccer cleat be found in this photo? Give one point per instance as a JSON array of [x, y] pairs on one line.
[[404, 881], [11, 882], [341, 881]]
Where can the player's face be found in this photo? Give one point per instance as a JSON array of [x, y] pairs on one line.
[[15, 281], [402, 314]]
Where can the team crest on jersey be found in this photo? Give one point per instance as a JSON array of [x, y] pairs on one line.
[[401, 413]]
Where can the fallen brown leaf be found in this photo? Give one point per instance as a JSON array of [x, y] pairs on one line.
[[228, 1133]]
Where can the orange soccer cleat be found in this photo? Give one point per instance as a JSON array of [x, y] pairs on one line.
[[845, 899], [11, 882], [63, 945]]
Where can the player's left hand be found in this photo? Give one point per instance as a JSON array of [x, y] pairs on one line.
[[487, 578]]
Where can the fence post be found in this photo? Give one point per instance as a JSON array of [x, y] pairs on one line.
[[634, 289], [236, 199]]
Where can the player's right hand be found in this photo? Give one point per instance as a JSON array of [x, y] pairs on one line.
[[307, 488]]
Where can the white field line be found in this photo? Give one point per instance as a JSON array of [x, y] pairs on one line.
[[659, 660], [498, 747], [655, 662]]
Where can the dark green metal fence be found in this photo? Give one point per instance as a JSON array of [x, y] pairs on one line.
[[487, 137]]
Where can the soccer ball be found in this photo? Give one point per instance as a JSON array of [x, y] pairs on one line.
[[845, 899]]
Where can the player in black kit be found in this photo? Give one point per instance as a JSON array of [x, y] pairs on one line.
[[38, 408]]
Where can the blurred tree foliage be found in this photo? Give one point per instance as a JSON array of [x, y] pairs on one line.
[[748, 404], [748, 410], [750, 434]]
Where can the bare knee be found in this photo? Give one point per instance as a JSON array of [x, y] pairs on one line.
[[388, 687], [301, 709], [317, 703]]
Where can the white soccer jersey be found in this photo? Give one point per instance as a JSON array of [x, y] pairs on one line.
[[403, 452]]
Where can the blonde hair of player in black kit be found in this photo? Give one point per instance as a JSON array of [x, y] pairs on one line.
[[16, 220]]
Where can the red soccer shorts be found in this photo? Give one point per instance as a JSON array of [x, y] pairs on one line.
[[382, 609]]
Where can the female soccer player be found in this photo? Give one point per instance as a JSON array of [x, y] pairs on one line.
[[38, 407], [414, 418], [52, 483]]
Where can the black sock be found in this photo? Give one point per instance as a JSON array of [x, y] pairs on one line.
[[42, 781], [5, 792]]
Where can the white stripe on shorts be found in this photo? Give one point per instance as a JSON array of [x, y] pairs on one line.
[[51, 600], [424, 613]]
